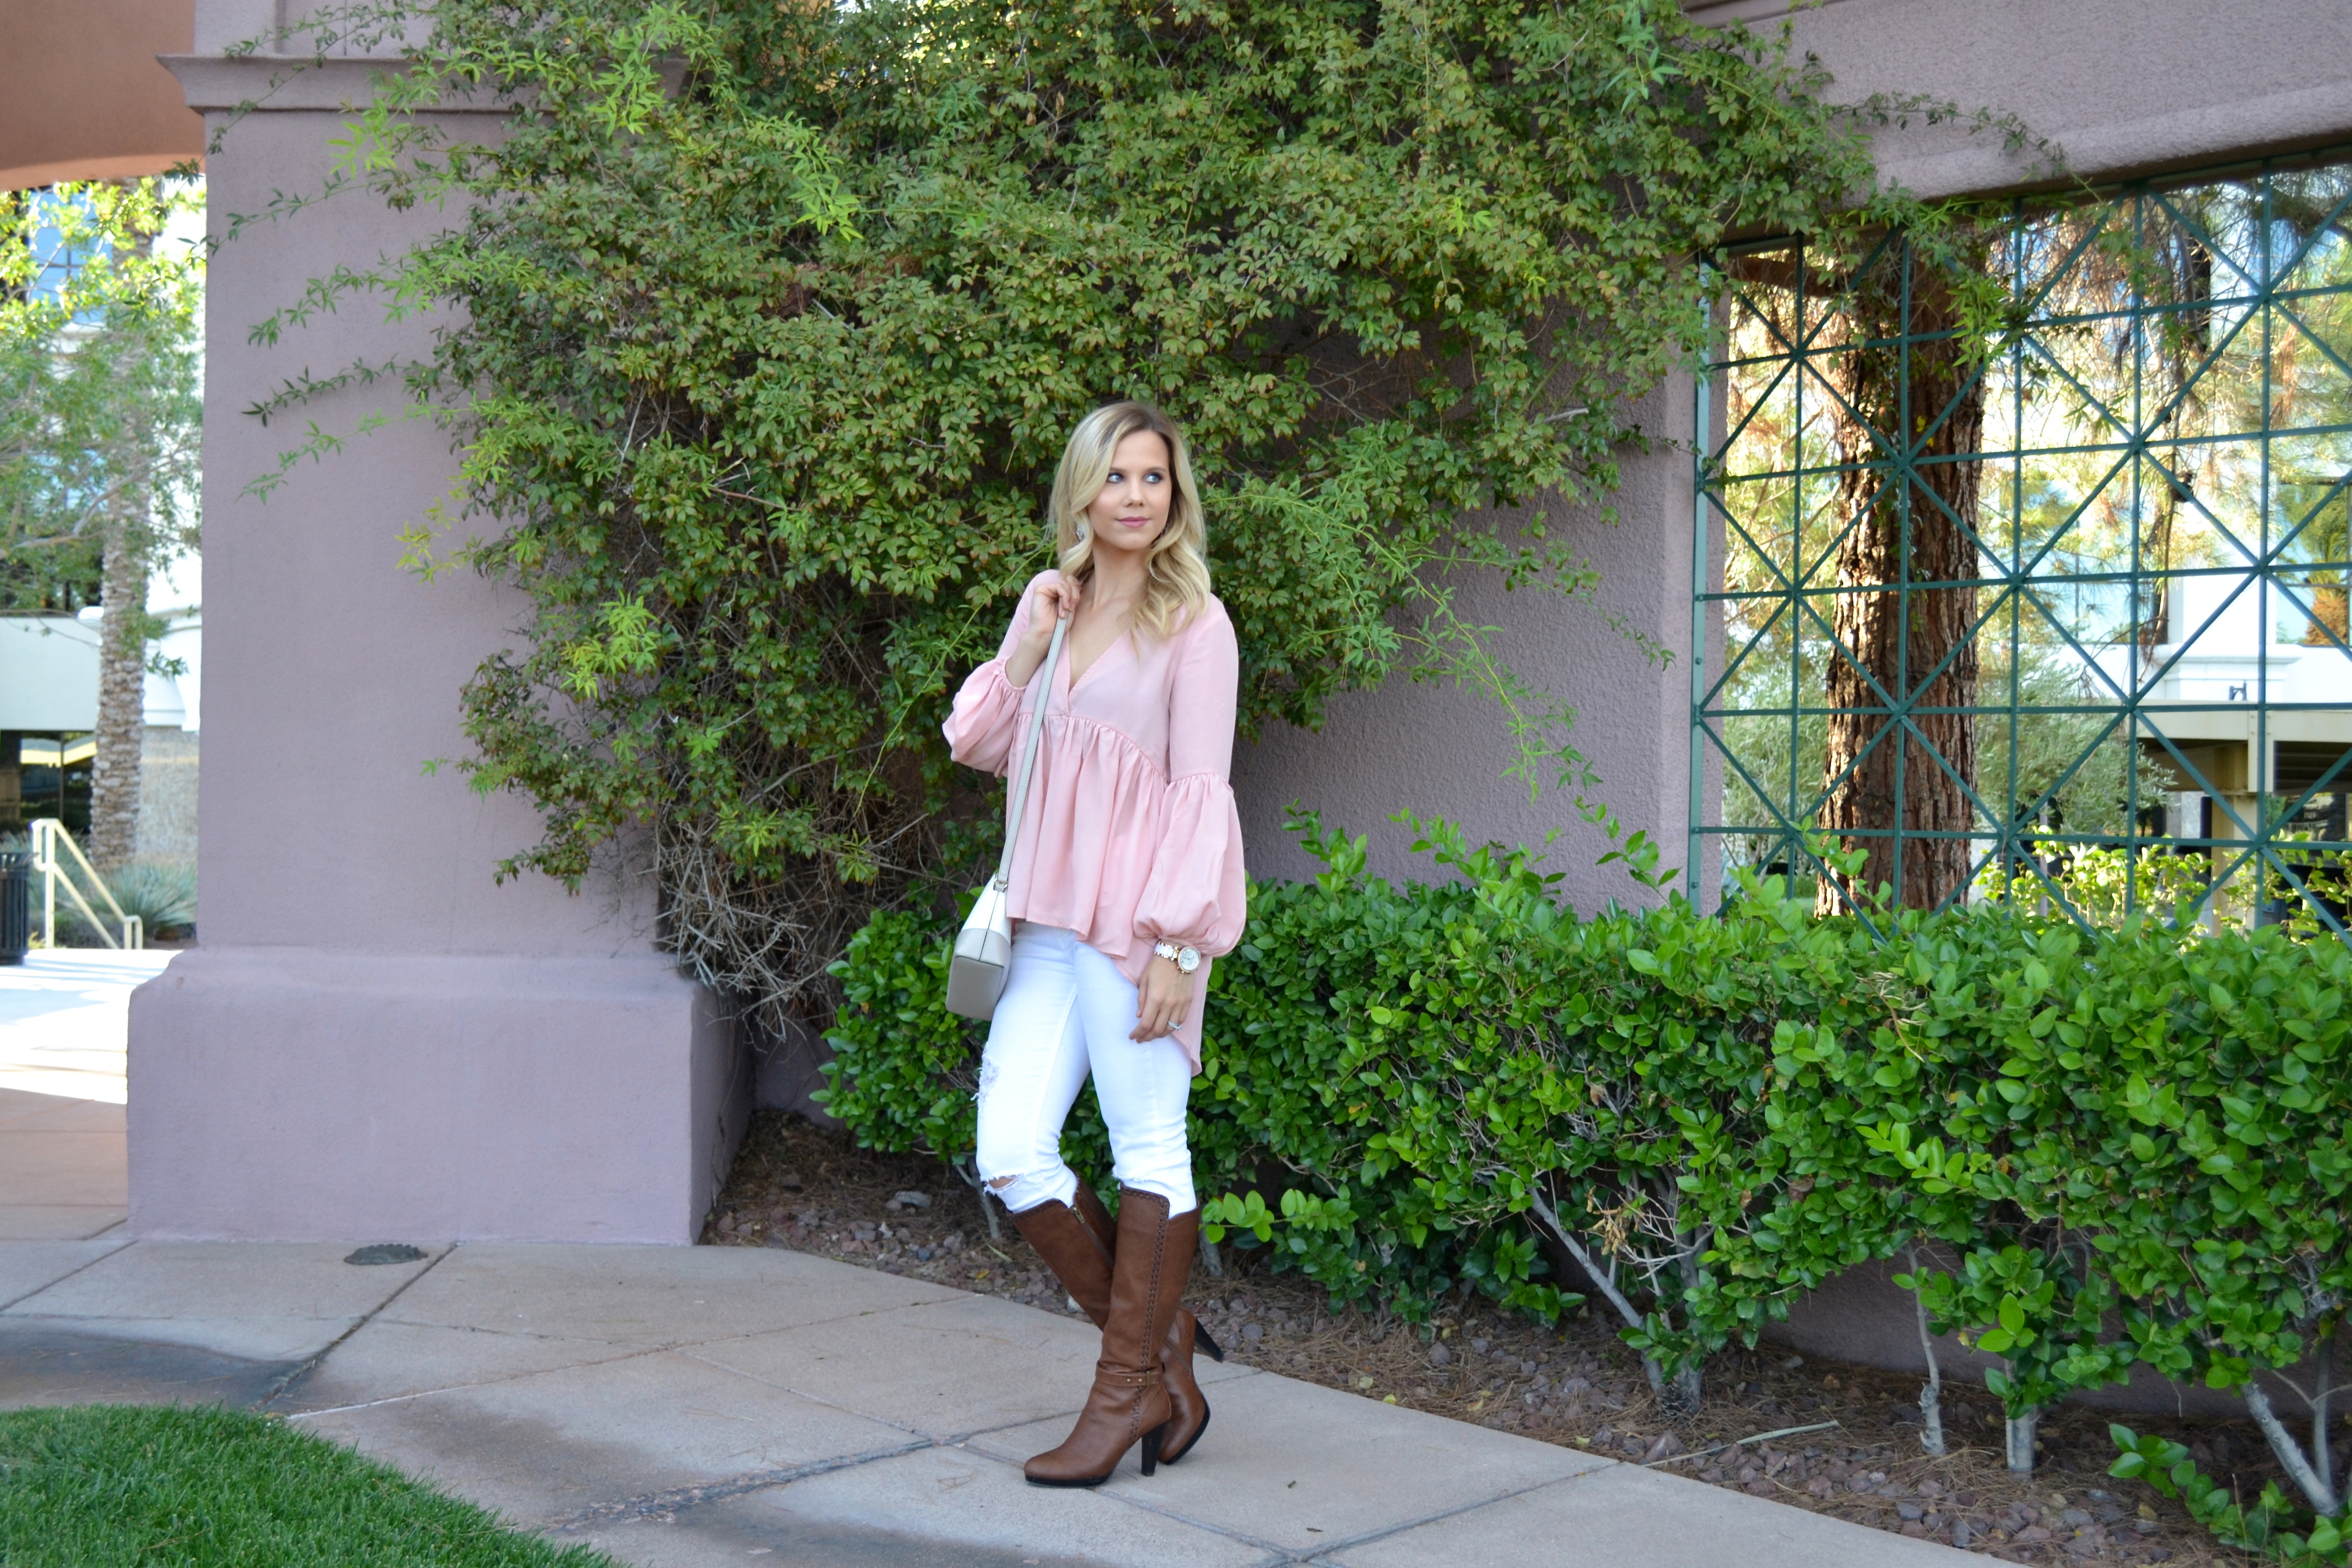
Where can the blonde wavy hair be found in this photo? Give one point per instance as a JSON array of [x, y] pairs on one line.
[[1176, 573]]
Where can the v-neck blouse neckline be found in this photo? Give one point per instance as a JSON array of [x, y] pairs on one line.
[[1072, 680]]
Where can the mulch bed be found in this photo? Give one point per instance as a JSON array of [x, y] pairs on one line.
[[799, 1186]]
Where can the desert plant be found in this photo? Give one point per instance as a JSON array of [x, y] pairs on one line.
[[160, 893]]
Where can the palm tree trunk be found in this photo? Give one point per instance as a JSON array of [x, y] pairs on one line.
[[1904, 508], [122, 704]]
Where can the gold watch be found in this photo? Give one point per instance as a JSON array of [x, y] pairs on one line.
[[1186, 959]]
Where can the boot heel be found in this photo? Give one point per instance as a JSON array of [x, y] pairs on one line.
[[1151, 1447], [1207, 1341]]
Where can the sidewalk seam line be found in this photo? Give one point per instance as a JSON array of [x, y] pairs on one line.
[[822, 1402], [692, 1495], [127, 1241], [1324, 1550], [285, 1383], [629, 1354], [956, 1439], [1372, 1536], [687, 1345]]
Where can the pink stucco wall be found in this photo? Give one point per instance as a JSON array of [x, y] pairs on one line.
[[376, 1040], [2124, 87], [1442, 749]]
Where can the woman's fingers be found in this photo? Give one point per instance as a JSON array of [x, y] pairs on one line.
[[1161, 1001], [1057, 596]]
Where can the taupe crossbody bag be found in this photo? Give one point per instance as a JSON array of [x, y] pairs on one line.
[[983, 949]]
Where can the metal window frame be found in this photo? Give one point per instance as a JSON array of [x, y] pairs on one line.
[[2260, 300]]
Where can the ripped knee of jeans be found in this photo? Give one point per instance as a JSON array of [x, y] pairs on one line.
[[1026, 1190]]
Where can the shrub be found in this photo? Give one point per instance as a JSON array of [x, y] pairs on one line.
[[2264, 1527], [2131, 1140], [162, 893]]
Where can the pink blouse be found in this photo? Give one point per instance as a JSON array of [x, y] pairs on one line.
[[1130, 836]]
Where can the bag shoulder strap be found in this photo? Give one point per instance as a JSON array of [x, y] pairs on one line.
[[1020, 797]]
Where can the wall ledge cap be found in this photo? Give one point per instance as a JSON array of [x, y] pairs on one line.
[[278, 84], [568, 978]]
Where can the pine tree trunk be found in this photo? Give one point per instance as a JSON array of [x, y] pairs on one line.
[[1900, 534], [122, 705]]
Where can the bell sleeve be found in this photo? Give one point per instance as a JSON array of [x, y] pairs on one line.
[[1197, 892], [986, 718]]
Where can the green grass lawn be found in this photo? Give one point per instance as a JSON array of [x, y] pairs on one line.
[[96, 1486]]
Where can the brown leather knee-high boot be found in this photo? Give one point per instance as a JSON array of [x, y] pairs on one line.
[[1188, 1407], [1077, 1240], [1129, 1403]]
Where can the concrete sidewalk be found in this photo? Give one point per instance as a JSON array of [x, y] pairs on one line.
[[683, 1406]]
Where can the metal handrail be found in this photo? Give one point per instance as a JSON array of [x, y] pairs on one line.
[[48, 833]]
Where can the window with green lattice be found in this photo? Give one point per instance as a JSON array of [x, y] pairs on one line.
[[2048, 600]]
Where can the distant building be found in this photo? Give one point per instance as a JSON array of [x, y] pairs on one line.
[[48, 707], [2281, 704]]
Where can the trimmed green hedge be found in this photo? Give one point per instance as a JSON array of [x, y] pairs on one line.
[[2133, 1140]]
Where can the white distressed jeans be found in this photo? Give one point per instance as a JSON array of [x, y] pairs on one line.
[[1066, 1012]]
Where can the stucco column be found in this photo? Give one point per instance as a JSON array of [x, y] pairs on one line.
[[374, 1040]]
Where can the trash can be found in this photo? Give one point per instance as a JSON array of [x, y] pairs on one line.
[[15, 904]]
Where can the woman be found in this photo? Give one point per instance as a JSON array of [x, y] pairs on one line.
[[1127, 880]]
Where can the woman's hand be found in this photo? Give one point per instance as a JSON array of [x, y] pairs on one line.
[[1162, 999], [1056, 598]]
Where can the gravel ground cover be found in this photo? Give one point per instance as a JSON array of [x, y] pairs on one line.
[[1837, 1440]]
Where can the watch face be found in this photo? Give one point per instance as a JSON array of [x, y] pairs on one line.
[[1188, 959]]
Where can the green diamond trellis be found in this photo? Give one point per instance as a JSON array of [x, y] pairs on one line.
[[2157, 621]]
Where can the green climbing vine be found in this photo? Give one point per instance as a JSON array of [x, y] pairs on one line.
[[768, 321]]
